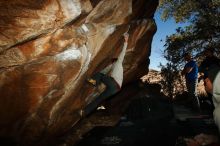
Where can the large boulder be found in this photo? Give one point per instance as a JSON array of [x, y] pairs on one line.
[[48, 48]]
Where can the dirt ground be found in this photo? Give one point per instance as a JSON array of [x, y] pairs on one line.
[[151, 119]]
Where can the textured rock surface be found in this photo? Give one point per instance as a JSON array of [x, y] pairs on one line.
[[47, 50], [22, 20]]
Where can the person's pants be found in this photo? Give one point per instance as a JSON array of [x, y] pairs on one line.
[[111, 88], [192, 92]]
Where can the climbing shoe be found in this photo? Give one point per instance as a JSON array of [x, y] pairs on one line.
[[92, 81]]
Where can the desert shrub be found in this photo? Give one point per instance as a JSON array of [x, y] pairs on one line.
[[172, 82]]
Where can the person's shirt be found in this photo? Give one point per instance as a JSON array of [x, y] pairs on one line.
[[193, 74], [216, 99], [207, 63], [216, 90], [107, 69], [116, 69]]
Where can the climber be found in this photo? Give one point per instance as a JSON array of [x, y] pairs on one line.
[[111, 76]]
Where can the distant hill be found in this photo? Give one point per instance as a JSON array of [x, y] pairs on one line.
[[154, 76]]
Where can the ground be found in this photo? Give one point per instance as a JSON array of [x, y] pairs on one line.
[[151, 119]]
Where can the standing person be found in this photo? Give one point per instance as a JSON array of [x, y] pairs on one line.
[[212, 86], [210, 59], [191, 75], [111, 76]]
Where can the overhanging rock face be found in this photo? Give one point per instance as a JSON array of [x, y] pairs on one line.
[[49, 47]]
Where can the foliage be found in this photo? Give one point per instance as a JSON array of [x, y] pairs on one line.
[[204, 24], [171, 82], [202, 32]]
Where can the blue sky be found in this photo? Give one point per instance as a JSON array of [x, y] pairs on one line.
[[163, 29]]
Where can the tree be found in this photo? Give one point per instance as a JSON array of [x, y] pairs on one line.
[[204, 24], [171, 80], [202, 32]]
